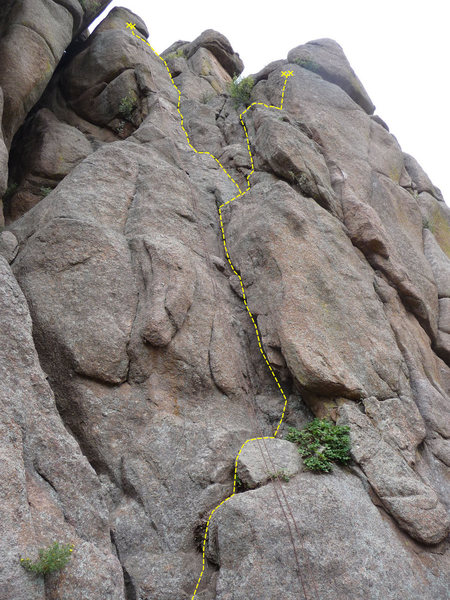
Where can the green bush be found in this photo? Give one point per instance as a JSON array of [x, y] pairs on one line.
[[45, 191], [240, 90], [50, 560], [281, 474], [90, 4], [306, 63], [127, 105], [178, 54], [320, 443]]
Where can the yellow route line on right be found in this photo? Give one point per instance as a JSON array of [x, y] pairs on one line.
[[244, 297], [286, 75]]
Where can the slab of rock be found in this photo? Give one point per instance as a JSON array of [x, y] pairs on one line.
[[8, 245], [257, 545], [78, 272], [206, 65], [292, 155], [413, 504], [45, 153], [326, 58], [419, 178], [399, 422], [264, 459], [49, 491], [440, 263], [316, 293]]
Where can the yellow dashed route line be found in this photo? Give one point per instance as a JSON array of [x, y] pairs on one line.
[[286, 75]]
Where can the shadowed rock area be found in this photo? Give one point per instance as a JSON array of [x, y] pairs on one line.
[[131, 374]]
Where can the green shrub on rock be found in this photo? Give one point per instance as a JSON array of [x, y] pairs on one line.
[[321, 443], [241, 89], [50, 560], [127, 105]]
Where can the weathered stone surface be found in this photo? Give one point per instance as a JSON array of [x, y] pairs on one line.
[[293, 156], [326, 58], [250, 537], [436, 217], [333, 305], [399, 422], [78, 272], [8, 245], [157, 373], [3, 162], [264, 459], [440, 263], [54, 150], [414, 505], [42, 30], [425, 370], [365, 227], [345, 135], [420, 179], [49, 490], [205, 64]]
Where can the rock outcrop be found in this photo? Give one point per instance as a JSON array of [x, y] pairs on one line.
[[131, 375]]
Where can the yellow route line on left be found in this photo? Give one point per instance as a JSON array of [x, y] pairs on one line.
[[286, 75]]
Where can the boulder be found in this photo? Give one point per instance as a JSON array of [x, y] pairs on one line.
[[326, 58], [413, 504], [8, 246], [292, 155], [314, 548], [25, 74], [220, 47], [262, 460], [206, 65], [420, 179], [48, 151]]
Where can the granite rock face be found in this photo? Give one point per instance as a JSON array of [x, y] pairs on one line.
[[131, 373]]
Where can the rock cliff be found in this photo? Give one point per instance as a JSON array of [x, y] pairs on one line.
[[131, 373]]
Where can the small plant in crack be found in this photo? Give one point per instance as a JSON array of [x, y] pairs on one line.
[[238, 485], [280, 474], [199, 532], [177, 54], [240, 90], [127, 105], [308, 64], [45, 191], [51, 559]]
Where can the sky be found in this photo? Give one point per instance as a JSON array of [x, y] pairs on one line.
[[397, 48]]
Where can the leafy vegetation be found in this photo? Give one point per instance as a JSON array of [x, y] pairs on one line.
[[50, 560], [240, 90], [281, 474], [90, 4], [177, 54], [45, 191], [307, 63], [321, 443], [127, 105]]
